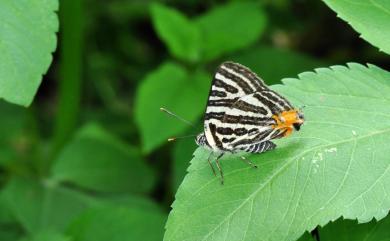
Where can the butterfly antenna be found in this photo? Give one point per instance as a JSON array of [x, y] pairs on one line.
[[176, 116], [180, 137]]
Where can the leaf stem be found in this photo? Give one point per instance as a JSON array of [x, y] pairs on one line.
[[70, 71]]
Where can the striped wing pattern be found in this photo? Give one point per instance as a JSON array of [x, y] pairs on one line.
[[239, 111]]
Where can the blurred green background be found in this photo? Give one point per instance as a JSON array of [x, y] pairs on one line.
[[88, 160]]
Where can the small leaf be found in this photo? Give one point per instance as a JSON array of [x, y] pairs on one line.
[[27, 39], [369, 18], [98, 161], [337, 165], [119, 224], [272, 64], [230, 27], [348, 230], [169, 86], [179, 33]]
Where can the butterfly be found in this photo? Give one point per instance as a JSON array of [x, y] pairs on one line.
[[244, 115]]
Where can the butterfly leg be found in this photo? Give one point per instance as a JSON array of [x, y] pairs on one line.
[[219, 167], [211, 165], [247, 161]]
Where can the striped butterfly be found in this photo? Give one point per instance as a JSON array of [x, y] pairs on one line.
[[244, 115]]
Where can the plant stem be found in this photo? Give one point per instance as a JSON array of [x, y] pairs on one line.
[[70, 71]]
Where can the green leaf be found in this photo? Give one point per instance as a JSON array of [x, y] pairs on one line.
[[348, 230], [272, 64], [27, 39], [179, 34], [119, 224], [43, 206], [230, 27], [48, 235], [182, 152], [172, 87], [49, 206], [98, 161], [337, 165], [368, 17]]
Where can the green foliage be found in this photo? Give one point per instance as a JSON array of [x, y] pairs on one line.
[[98, 161], [182, 152], [348, 230], [204, 38], [48, 236], [119, 224], [11, 137], [334, 167], [273, 64], [28, 38], [183, 93], [179, 33], [249, 22], [89, 159], [369, 18], [43, 206]]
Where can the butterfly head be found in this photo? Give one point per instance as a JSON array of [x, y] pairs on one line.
[[300, 118], [287, 120], [200, 140]]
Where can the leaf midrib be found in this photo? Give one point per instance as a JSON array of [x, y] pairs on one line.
[[280, 170]]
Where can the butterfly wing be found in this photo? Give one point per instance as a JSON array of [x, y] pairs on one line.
[[240, 109], [250, 121]]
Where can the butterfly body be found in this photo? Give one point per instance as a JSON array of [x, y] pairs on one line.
[[243, 114]]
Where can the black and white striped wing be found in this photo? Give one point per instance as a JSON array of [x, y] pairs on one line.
[[240, 108], [231, 82], [253, 122]]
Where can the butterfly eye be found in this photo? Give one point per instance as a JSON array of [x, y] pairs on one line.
[[301, 116]]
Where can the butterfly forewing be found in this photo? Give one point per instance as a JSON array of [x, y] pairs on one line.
[[240, 109]]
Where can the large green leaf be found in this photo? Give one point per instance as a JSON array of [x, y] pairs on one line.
[[337, 165], [98, 161], [230, 27], [27, 34], [119, 224], [172, 87], [272, 64], [368, 17], [179, 33]]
